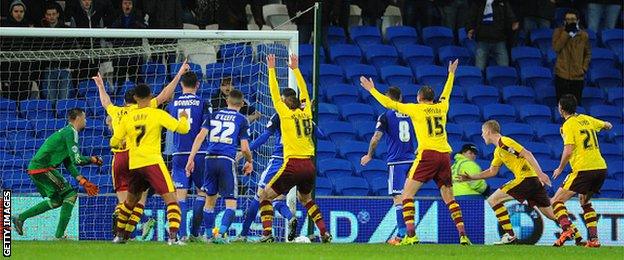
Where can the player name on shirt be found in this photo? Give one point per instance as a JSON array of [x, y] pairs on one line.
[[191, 102]]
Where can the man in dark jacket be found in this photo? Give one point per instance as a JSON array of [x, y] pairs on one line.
[[538, 14], [89, 13], [603, 14], [164, 14], [231, 14], [52, 14], [489, 23], [17, 15]]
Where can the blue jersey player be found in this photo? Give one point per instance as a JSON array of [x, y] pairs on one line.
[[401, 147], [225, 129], [198, 111]]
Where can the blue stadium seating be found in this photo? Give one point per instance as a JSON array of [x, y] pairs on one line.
[[437, 36], [524, 56], [518, 95], [451, 52], [355, 112], [472, 132], [330, 75], [502, 113], [482, 95], [396, 75], [153, 70], [616, 134], [364, 129], [64, 105], [611, 189], [616, 170], [611, 152], [551, 59], [380, 55], [240, 53], [592, 96], [500, 76], [464, 113], [549, 133], [306, 54], [351, 186], [541, 151], [352, 150], [354, 72], [613, 39], [365, 36], [409, 92], [536, 76], [36, 109], [471, 44], [535, 114], [606, 77], [379, 185], [323, 187], [336, 35], [325, 150], [335, 168], [522, 133], [338, 131], [468, 76], [615, 96], [342, 94], [16, 129], [602, 58], [431, 74], [416, 55], [608, 113], [175, 67], [345, 54], [546, 95], [401, 35], [454, 132], [45, 127], [8, 108], [542, 39]]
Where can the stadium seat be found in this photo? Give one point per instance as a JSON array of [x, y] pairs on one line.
[[454, 132], [541, 151], [468, 43], [616, 134], [325, 150], [615, 170], [602, 58], [593, 96], [368, 98], [611, 152], [546, 95], [437, 36], [328, 112], [336, 35], [306, 54], [152, 70], [8, 108], [345, 54], [606, 77], [551, 59], [175, 67], [451, 52], [323, 187], [380, 55], [365, 36], [611, 189], [615, 96], [401, 35], [524, 57], [549, 133], [357, 112], [464, 113], [522, 133], [608, 113], [333, 168], [365, 129], [409, 92], [352, 150], [354, 72], [502, 113], [36, 109], [330, 75], [542, 39], [338, 131], [45, 127], [472, 132], [238, 53], [396, 75], [466, 76], [351, 186], [64, 105], [613, 39], [500, 76], [518, 95], [378, 185], [481, 95], [536, 76], [416, 55], [431, 74], [342, 94], [535, 114], [16, 129]]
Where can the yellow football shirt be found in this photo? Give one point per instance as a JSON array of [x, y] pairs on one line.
[[295, 125], [117, 113], [142, 128], [582, 132], [508, 152], [429, 120]]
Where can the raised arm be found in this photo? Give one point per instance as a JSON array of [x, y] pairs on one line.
[[167, 93], [280, 107], [448, 86], [181, 126], [407, 109], [301, 84], [104, 97]]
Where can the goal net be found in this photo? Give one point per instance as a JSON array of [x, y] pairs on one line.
[[46, 72]]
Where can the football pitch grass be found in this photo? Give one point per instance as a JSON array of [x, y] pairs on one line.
[[86, 250]]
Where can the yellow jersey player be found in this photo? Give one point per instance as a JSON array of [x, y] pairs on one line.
[[141, 128], [527, 184], [298, 168], [589, 170], [433, 161]]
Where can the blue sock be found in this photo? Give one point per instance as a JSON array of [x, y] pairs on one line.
[[401, 228], [250, 216], [226, 221], [198, 207], [209, 221], [183, 209], [281, 207]]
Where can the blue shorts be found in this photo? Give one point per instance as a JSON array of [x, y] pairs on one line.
[[270, 171], [397, 173], [178, 172], [220, 177]]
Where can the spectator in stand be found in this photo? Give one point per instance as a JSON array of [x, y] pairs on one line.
[[573, 55], [128, 19], [16, 86], [218, 101], [17, 15], [489, 23], [465, 163], [199, 12], [231, 14], [163, 14], [538, 14], [453, 13], [56, 81], [417, 13], [372, 11], [305, 22], [52, 14], [603, 14], [89, 13]]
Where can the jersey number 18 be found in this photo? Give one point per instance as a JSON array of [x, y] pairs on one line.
[[307, 127]]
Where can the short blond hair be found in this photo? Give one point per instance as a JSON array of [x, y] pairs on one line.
[[492, 125]]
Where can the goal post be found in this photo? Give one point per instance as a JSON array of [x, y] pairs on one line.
[[44, 62]]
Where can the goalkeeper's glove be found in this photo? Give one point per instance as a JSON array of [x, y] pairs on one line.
[[89, 187], [97, 160]]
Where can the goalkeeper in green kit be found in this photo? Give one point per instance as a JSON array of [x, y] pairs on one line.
[[60, 148]]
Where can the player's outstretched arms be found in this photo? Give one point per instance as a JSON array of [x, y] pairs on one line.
[[369, 86], [301, 84], [199, 139], [104, 97], [450, 80], [273, 85], [167, 93]]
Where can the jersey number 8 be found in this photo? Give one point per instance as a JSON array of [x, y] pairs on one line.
[[404, 131]]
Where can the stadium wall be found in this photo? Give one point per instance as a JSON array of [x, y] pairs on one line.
[[355, 220]]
